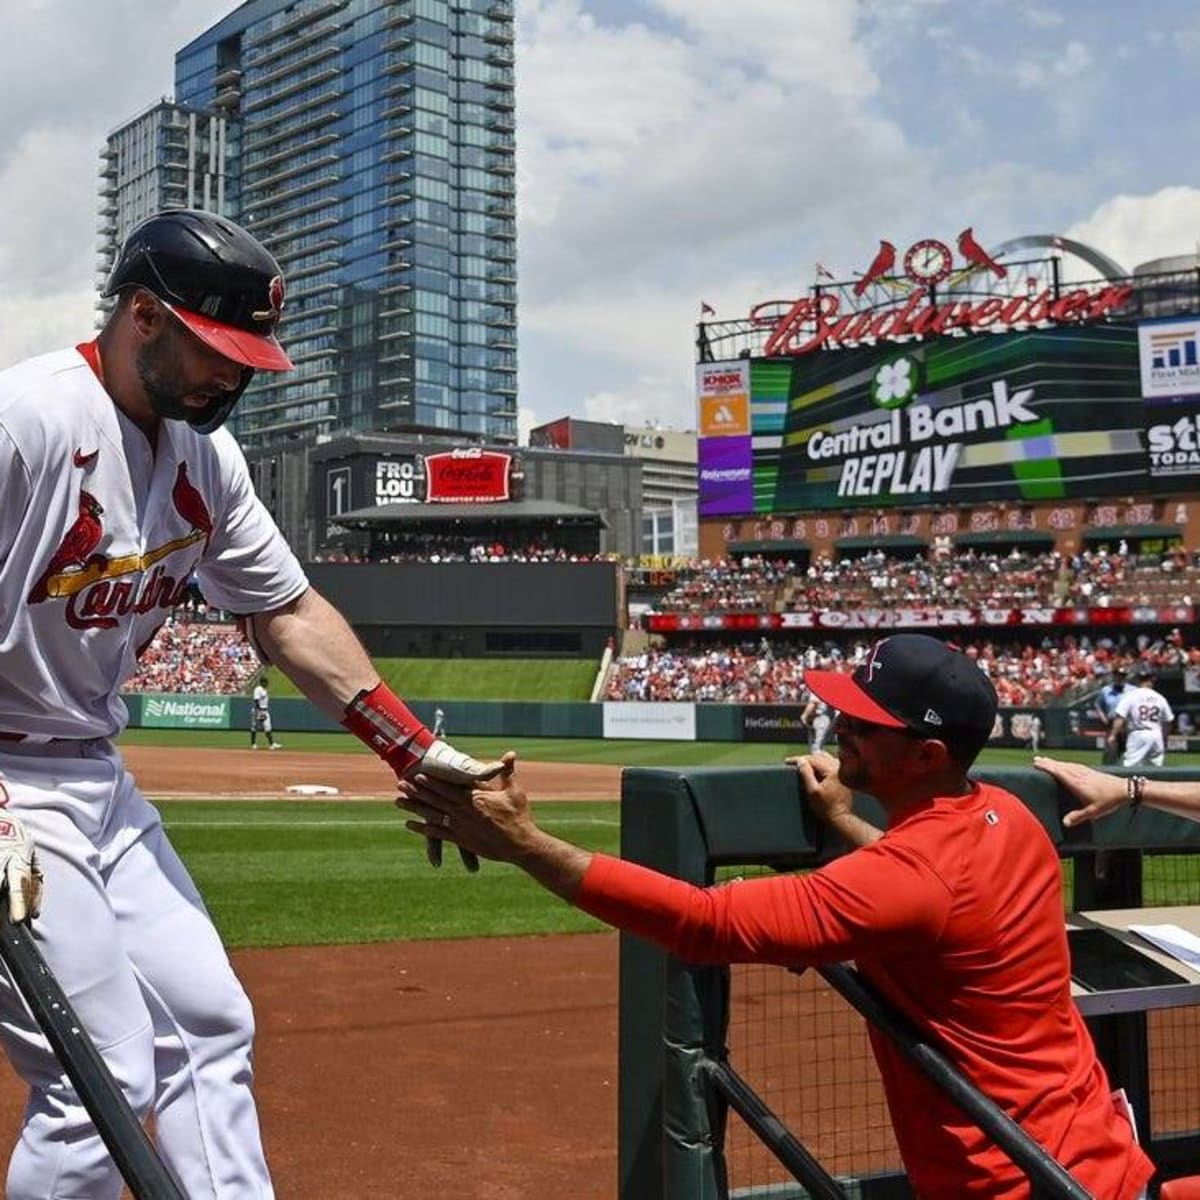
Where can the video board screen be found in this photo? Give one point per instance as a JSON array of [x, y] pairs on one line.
[[1037, 415]]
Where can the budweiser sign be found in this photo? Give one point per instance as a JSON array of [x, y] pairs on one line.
[[817, 322], [467, 476]]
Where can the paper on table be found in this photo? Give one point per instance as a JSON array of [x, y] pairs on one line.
[[1173, 940]]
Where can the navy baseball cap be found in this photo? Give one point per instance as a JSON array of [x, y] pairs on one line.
[[1145, 670], [913, 681]]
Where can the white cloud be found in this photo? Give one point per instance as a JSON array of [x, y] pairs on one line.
[[1043, 18], [1135, 229], [68, 75]]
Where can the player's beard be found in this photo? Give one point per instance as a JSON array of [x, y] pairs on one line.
[[156, 367]]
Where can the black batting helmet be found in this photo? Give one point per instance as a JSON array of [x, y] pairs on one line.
[[219, 281]]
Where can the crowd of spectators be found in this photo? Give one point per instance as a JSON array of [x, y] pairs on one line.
[[451, 550], [969, 579], [194, 655], [1030, 673]]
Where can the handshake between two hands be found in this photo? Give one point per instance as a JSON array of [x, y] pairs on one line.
[[442, 782]]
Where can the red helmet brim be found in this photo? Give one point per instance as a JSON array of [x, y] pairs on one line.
[[260, 351]]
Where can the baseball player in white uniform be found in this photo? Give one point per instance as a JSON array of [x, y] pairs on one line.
[[116, 483], [1144, 715], [817, 719], [260, 716]]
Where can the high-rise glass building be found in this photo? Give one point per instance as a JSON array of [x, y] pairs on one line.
[[169, 156], [374, 157]]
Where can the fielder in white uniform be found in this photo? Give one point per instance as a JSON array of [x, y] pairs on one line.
[[116, 483], [818, 720], [1144, 716], [260, 716]]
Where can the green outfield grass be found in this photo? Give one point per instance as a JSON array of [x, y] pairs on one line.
[[477, 679], [277, 873], [286, 873], [622, 753]]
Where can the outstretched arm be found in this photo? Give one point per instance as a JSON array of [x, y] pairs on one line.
[[314, 646], [1099, 793]]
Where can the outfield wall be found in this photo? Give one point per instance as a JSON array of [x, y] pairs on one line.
[[614, 719], [476, 610]]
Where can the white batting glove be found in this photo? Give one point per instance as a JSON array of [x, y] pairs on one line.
[[442, 761], [20, 874]]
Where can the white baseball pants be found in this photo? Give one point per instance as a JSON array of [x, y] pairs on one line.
[[126, 933], [1143, 746]]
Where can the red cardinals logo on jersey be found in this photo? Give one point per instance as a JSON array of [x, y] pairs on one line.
[[98, 588], [270, 315], [77, 551], [86, 461], [190, 504]]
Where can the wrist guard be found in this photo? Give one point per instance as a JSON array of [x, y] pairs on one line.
[[384, 722]]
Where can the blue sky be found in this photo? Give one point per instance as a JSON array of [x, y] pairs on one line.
[[671, 151]]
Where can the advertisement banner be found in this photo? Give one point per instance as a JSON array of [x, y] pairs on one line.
[[726, 476], [467, 476], [774, 723], [398, 480], [649, 721], [1173, 439], [1167, 352], [921, 618], [723, 398], [1042, 414], [163, 711]]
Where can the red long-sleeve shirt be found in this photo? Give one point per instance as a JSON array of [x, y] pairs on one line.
[[956, 916]]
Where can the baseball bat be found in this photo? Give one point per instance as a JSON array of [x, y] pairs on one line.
[[117, 1123]]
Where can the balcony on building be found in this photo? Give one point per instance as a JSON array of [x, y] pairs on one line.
[[256, 183], [311, 81], [266, 131], [291, 27], [228, 98], [398, 18], [254, 57], [257, 222], [318, 54]]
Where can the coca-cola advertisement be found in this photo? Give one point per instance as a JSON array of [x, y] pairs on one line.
[[471, 476]]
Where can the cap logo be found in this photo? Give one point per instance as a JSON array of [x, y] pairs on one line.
[[872, 663], [931, 718], [274, 299]]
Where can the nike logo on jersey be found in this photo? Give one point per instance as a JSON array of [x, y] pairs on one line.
[[85, 460]]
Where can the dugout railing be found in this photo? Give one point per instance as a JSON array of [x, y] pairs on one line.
[[680, 1088]]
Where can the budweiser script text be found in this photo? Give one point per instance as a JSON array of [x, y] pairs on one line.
[[813, 322]]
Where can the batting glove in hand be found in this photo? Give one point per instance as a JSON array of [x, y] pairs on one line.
[[442, 761], [20, 874]]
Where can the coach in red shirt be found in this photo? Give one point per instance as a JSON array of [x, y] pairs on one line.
[[954, 913]]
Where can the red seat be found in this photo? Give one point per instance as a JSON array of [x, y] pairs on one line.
[[1185, 1188]]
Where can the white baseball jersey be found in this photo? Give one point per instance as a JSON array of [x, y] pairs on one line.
[[98, 536], [1144, 709], [260, 698], [1145, 712]]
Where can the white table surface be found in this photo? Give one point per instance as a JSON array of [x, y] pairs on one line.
[[1141, 999]]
